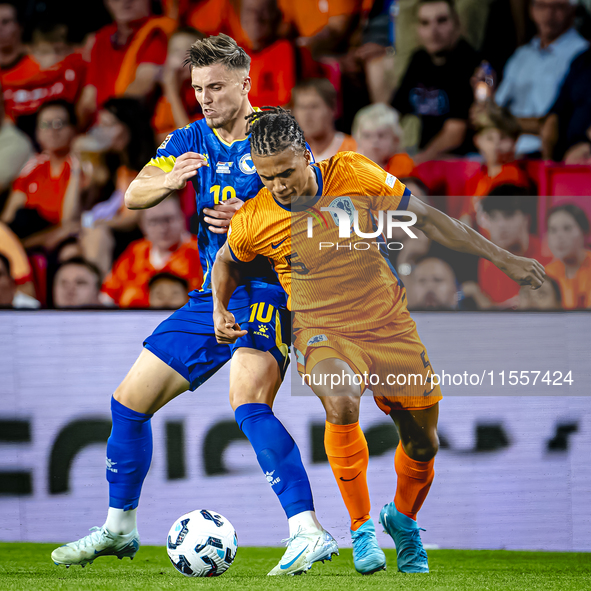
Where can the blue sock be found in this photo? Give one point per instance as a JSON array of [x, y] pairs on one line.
[[129, 453], [278, 456]]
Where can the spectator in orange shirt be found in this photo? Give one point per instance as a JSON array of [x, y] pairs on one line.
[[496, 134], [324, 26], [178, 105], [77, 284], [126, 56], [57, 73], [377, 131], [212, 17], [508, 222], [273, 69], [314, 104], [166, 248], [568, 228], [168, 291], [46, 195]]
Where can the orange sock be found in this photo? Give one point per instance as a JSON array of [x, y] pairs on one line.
[[348, 456], [414, 482]]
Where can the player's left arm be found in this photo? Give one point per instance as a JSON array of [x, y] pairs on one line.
[[226, 275], [225, 278], [458, 236]]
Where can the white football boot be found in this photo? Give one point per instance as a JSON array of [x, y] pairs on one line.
[[303, 550], [100, 542]]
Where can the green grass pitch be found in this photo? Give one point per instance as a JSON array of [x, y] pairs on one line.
[[28, 567]]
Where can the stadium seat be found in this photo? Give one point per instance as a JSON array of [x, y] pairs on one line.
[[563, 180], [448, 177]]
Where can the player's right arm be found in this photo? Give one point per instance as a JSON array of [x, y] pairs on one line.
[[458, 236], [153, 184]]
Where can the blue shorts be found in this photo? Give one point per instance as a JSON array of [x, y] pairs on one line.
[[186, 339]]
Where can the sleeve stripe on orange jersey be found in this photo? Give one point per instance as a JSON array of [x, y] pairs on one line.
[[405, 199]]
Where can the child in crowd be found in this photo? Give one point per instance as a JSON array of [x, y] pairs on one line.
[[377, 131], [496, 134]]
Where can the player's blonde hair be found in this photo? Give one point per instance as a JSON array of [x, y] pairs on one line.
[[218, 49], [375, 116]]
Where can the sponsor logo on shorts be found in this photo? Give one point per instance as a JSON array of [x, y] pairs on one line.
[[262, 331], [317, 339]]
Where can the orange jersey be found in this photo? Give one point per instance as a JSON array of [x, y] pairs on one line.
[[576, 291], [311, 16], [273, 73], [481, 185], [127, 283], [400, 165], [212, 17], [147, 44], [348, 285], [27, 87], [44, 192]]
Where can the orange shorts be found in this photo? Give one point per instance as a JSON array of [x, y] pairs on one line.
[[396, 363]]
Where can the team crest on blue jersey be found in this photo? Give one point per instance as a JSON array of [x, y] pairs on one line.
[[344, 203], [246, 165], [317, 338]]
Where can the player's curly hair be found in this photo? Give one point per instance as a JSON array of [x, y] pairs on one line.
[[218, 49], [272, 130]]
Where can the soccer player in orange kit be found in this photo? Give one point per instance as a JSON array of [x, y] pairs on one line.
[[350, 314]]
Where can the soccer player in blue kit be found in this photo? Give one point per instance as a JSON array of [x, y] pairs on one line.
[[182, 353]]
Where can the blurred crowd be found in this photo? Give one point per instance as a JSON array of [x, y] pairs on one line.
[[482, 107]]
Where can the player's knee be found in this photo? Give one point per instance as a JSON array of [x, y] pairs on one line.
[[341, 407], [424, 450], [121, 394]]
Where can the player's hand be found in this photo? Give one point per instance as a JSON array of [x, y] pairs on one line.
[[185, 168], [227, 330], [219, 217], [524, 271]]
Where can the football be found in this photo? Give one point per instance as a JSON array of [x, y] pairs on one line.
[[202, 543]]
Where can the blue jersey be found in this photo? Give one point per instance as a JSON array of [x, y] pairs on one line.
[[230, 173]]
